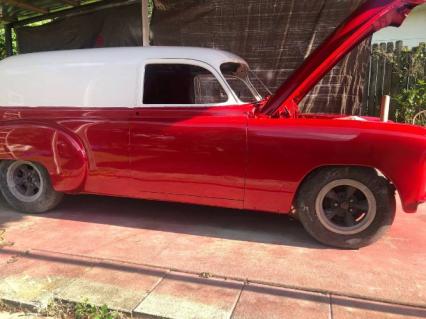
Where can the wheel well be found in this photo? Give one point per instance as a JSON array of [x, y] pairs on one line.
[[317, 170], [4, 162]]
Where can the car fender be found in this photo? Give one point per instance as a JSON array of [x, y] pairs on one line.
[[282, 152], [60, 151]]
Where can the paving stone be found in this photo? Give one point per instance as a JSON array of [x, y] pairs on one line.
[[119, 286], [33, 278], [184, 296], [258, 301], [347, 308], [262, 247]]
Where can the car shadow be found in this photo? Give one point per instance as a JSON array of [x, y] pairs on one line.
[[231, 224], [7, 215]]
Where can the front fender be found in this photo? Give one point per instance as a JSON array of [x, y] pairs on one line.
[[408, 176], [282, 152], [60, 151]]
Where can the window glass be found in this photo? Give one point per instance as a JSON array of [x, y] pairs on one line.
[[240, 88], [181, 84], [244, 82]]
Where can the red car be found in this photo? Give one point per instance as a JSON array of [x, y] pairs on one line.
[[194, 125]]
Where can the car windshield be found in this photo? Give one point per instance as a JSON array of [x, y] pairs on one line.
[[244, 82]]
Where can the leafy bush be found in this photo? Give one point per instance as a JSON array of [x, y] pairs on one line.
[[409, 70], [410, 102], [2, 44]]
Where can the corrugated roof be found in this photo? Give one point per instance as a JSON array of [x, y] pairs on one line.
[[16, 10]]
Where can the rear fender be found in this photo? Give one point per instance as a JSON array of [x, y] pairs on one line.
[[60, 151]]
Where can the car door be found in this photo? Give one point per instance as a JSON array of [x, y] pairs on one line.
[[186, 141]]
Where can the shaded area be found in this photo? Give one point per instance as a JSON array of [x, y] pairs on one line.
[[205, 221], [110, 27], [7, 215]]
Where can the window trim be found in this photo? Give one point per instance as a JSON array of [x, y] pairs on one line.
[[249, 85], [232, 100]]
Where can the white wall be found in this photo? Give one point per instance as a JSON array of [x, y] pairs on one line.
[[412, 32]]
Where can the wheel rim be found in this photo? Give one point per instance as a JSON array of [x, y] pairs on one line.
[[346, 207], [25, 181]]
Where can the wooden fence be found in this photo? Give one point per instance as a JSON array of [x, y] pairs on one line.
[[391, 69]]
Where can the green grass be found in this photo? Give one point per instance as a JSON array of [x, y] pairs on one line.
[[85, 310]]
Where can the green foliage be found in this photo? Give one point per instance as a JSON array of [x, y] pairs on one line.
[[409, 67], [3, 44], [410, 102], [85, 310]]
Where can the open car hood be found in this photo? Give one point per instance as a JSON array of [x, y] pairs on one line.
[[370, 17]]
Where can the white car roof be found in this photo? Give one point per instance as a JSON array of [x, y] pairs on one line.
[[214, 57], [107, 77]]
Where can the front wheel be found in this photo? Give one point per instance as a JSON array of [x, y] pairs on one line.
[[27, 188], [346, 207]]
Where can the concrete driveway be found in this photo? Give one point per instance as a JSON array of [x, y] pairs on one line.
[[168, 260]]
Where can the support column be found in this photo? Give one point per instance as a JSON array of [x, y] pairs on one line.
[[145, 23], [8, 39]]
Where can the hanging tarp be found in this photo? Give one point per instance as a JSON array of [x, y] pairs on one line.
[[119, 26], [274, 36]]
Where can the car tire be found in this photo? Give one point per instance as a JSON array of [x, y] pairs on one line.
[[346, 207], [26, 186]]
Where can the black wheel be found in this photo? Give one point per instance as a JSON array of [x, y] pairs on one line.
[[27, 188], [346, 207]]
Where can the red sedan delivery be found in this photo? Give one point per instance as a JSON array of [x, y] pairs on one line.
[[196, 126]]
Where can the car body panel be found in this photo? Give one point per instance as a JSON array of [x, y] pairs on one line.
[[239, 160], [229, 156], [290, 149], [60, 151], [161, 163], [195, 151]]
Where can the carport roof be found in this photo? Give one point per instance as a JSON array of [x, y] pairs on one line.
[[19, 11]]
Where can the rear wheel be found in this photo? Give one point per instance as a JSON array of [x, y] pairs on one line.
[[346, 207], [26, 187]]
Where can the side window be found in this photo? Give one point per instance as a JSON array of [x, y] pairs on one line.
[[181, 84], [240, 88]]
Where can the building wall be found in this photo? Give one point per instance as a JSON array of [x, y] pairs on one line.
[[412, 32]]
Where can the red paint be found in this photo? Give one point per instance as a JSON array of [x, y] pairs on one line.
[[289, 149], [222, 156], [219, 156]]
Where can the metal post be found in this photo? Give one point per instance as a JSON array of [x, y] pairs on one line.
[[8, 39], [384, 109], [145, 23]]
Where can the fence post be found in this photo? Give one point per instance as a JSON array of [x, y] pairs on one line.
[[395, 81], [145, 23], [384, 108], [387, 81], [372, 86]]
